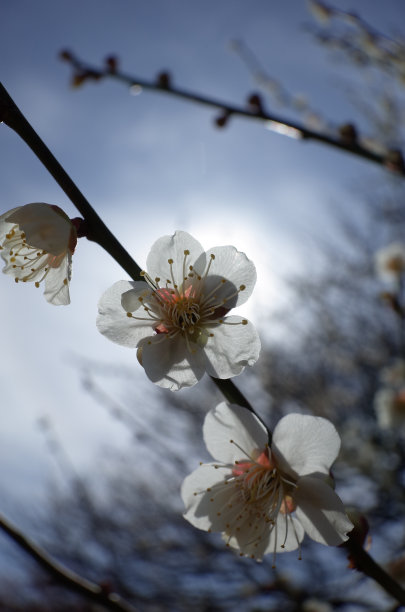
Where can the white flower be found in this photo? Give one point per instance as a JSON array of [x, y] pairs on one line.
[[37, 242], [389, 405], [263, 498], [390, 262], [176, 316]]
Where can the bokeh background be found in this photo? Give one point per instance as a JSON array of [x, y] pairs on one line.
[[151, 164]]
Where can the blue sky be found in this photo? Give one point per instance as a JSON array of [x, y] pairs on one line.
[[149, 165]]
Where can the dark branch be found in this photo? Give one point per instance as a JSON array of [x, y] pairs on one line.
[[73, 581], [83, 72]]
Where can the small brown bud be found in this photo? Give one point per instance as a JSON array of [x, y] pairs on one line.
[[65, 55], [392, 302], [394, 160], [111, 63], [348, 134], [255, 102], [78, 79], [163, 80], [222, 119]]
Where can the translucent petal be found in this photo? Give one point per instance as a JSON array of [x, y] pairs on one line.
[[45, 227], [170, 364], [5, 225], [173, 247], [305, 444], [130, 301], [321, 511], [57, 282], [231, 348], [232, 422], [207, 497], [236, 269], [113, 321]]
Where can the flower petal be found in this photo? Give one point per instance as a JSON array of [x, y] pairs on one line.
[[170, 364], [233, 266], [113, 321], [232, 422], [204, 494], [6, 225], [46, 227], [321, 511], [173, 247], [130, 301], [232, 347], [57, 282], [305, 444]]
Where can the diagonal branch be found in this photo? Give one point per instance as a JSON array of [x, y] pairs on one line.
[[96, 230], [65, 576]]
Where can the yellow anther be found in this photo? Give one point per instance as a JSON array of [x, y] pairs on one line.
[[190, 268], [16, 280], [245, 322], [170, 261], [12, 258], [37, 285], [142, 273], [157, 279], [129, 314], [212, 256], [223, 280], [242, 288], [186, 252]]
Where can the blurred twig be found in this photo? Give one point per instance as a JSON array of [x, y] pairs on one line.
[[81, 585], [84, 72]]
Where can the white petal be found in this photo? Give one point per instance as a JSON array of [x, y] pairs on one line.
[[305, 444], [231, 348], [170, 364], [228, 422], [173, 247], [130, 301], [321, 511], [256, 539], [57, 283], [5, 225], [113, 321], [233, 266], [45, 228], [286, 535], [202, 506]]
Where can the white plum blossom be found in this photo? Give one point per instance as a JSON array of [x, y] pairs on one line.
[[37, 242], [389, 401], [390, 262], [389, 405], [176, 316], [262, 497]]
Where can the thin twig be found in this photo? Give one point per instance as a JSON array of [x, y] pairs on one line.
[[65, 576], [366, 564], [85, 72]]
